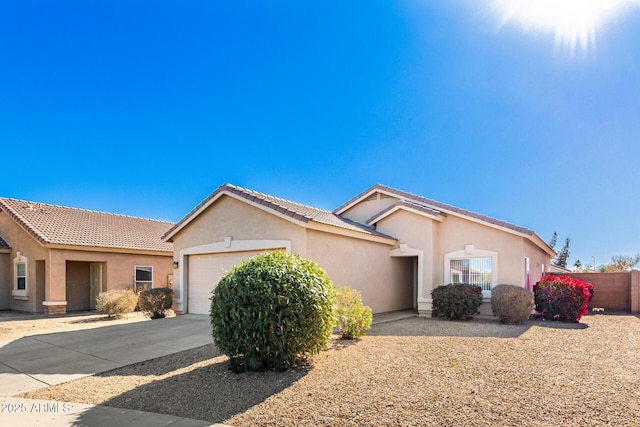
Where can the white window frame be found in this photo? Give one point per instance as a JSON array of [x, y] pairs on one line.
[[469, 252], [17, 293], [135, 277]]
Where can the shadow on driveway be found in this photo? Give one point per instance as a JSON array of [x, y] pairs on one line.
[[38, 361]]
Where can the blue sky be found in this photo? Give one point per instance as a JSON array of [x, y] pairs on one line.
[[144, 108]]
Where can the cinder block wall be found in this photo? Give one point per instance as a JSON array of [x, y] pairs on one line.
[[617, 292]]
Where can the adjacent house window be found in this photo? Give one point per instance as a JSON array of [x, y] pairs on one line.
[[21, 276], [473, 271], [20, 290], [143, 277]]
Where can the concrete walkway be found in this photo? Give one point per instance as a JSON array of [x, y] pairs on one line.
[[39, 361]]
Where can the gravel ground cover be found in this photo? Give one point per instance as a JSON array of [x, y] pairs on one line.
[[411, 372]]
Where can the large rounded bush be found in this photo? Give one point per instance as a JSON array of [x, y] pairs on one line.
[[272, 311], [511, 304], [562, 298], [456, 301]]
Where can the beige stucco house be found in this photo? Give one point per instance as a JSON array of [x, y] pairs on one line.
[[393, 246], [55, 259]]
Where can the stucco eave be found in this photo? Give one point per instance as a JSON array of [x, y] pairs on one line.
[[5, 251]]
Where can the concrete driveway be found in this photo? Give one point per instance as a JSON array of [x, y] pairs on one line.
[[39, 361]]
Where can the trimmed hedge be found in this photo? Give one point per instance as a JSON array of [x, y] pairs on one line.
[[155, 302], [456, 301], [116, 303], [353, 318], [511, 304], [272, 311], [562, 298]]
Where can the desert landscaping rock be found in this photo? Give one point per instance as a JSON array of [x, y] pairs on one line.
[[411, 372]]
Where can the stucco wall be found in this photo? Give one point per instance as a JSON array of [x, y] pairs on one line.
[[118, 268], [418, 232], [230, 217], [21, 241], [386, 283], [537, 261], [5, 280], [454, 233]]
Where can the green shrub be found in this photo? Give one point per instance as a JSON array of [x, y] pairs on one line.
[[272, 311], [116, 303], [511, 304], [155, 302], [353, 318], [456, 301]]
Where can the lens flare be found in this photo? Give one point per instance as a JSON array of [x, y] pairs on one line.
[[574, 23]]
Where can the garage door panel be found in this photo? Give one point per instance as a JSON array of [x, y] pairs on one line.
[[205, 272]]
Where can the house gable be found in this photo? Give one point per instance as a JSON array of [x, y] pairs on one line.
[[296, 213], [400, 200]]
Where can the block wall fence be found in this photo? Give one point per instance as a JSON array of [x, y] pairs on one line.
[[614, 292]]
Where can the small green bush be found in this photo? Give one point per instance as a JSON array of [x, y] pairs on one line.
[[456, 301], [511, 304], [155, 302], [353, 318], [116, 303], [272, 311]]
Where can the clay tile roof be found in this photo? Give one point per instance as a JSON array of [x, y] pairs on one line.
[[3, 244], [79, 227], [294, 210], [433, 204]]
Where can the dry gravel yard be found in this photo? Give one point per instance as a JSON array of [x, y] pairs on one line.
[[412, 372]]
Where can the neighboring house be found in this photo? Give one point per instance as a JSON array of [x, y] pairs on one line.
[[55, 259], [393, 246]]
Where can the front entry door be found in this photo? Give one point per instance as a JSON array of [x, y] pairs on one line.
[[95, 283]]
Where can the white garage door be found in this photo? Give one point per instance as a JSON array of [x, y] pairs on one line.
[[205, 272]]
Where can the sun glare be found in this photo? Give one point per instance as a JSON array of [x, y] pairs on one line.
[[574, 23]]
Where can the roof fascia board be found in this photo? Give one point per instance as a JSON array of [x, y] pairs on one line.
[[194, 215], [5, 251], [366, 195], [108, 250], [37, 236], [531, 237], [216, 197], [265, 208], [535, 239], [318, 226], [438, 218]]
